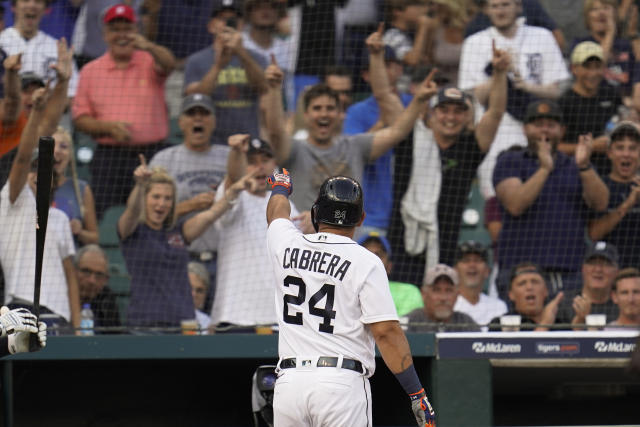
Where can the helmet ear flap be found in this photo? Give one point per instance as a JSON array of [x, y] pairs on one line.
[[314, 220]]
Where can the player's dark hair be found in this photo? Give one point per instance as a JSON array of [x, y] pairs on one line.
[[318, 90], [625, 273]]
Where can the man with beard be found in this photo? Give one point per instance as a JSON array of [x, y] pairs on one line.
[[528, 293], [439, 293], [545, 198], [538, 71]]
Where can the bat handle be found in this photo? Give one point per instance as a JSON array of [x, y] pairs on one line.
[[34, 342]]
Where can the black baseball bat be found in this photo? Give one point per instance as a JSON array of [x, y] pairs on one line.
[[43, 201]]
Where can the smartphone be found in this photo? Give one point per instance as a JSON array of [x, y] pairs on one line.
[[232, 22]]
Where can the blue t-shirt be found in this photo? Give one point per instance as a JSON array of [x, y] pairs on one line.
[[551, 231], [160, 290], [235, 100], [58, 20], [377, 179], [626, 235], [65, 198]]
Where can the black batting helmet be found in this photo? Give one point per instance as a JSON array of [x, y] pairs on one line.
[[339, 203]]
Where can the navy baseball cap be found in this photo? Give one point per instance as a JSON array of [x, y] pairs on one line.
[[197, 100], [450, 95], [543, 109], [29, 78], [602, 250], [220, 5], [374, 236], [257, 145], [471, 247], [625, 129]]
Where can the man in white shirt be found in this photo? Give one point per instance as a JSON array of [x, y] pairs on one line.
[[39, 50], [244, 288], [538, 71], [261, 37], [59, 293], [473, 270]]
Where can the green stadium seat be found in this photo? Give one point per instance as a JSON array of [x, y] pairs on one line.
[[107, 226], [475, 231]]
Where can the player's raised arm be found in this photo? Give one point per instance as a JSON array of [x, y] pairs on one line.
[[396, 353], [281, 186]]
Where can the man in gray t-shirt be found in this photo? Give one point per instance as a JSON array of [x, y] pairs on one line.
[[198, 167], [325, 153], [439, 293]]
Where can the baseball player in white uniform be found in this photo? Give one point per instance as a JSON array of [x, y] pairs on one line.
[[333, 304]]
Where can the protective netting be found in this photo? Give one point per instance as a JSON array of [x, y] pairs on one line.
[[152, 225]]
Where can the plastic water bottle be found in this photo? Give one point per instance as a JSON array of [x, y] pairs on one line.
[[86, 320]]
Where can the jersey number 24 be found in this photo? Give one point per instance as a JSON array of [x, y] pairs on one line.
[[327, 313]]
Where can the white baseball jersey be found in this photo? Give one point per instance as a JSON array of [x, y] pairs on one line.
[[38, 54], [327, 289]]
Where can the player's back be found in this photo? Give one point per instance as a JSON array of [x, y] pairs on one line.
[[327, 288]]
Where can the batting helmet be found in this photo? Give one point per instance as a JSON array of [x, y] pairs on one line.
[[339, 203]]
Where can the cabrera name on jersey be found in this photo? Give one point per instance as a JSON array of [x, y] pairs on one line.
[[327, 289]]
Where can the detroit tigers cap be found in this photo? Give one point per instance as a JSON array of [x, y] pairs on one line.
[[585, 51], [220, 5], [450, 95], [374, 236], [197, 100], [119, 11], [440, 270], [624, 129], [471, 247], [29, 78], [257, 145], [543, 109], [602, 250]]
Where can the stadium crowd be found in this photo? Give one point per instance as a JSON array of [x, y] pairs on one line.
[[168, 117]]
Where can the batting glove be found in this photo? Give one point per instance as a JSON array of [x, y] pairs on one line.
[[422, 409], [18, 320], [280, 183], [19, 342]]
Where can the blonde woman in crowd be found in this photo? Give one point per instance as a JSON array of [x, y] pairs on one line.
[[73, 196]]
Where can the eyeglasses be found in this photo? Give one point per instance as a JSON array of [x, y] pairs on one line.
[[99, 275], [199, 290]]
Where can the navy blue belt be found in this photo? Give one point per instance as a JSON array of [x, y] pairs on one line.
[[326, 362]]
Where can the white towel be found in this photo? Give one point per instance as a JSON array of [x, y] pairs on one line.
[[419, 207]]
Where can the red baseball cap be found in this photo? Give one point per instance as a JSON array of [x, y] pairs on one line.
[[119, 11]]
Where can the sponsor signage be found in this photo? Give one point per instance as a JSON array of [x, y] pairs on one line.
[[534, 345]]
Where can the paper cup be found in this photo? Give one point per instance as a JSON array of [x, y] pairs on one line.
[[189, 327], [596, 321], [510, 322]]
